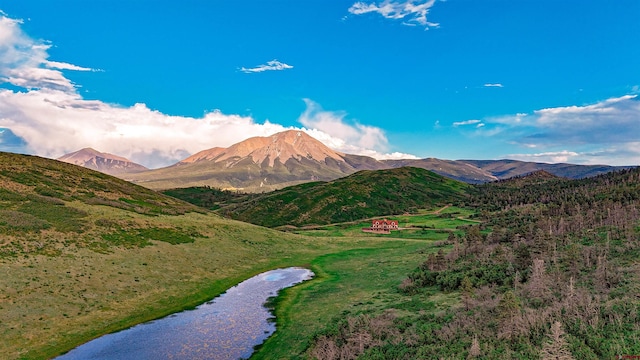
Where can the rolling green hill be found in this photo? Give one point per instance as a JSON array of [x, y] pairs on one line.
[[48, 205], [83, 254], [361, 195]]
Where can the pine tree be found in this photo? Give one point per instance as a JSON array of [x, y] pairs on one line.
[[556, 348], [474, 350]]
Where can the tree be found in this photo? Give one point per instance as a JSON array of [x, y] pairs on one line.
[[601, 278], [538, 284], [556, 347], [474, 350], [509, 305], [466, 288]]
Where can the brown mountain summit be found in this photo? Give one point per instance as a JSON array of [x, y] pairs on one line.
[[266, 163], [281, 146], [103, 162], [259, 164]]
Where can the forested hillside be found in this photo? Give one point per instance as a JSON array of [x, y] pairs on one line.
[[358, 196], [552, 273]]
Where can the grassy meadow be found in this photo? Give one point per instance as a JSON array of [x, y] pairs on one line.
[[347, 282], [362, 280], [431, 224], [83, 254], [52, 303]]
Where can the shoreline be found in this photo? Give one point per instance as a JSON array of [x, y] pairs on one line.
[[191, 301]]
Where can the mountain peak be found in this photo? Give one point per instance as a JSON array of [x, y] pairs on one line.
[[290, 144], [103, 162], [81, 156]]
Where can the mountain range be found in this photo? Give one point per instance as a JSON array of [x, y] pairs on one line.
[[262, 164]]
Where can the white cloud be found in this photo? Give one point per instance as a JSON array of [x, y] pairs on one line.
[[622, 155], [467, 122], [353, 138], [616, 120], [411, 12], [493, 85], [50, 118], [604, 132], [273, 65], [65, 66], [54, 122], [23, 60], [547, 157]]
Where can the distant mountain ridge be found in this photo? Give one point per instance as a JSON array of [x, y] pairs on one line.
[[103, 162], [262, 164], [453, 169], [505, 168]]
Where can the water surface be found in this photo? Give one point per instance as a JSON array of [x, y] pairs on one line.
[[227, 327]]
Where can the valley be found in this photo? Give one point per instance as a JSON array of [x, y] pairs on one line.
[[107, 254]]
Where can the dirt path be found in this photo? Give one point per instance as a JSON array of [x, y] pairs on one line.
[[440, 210]]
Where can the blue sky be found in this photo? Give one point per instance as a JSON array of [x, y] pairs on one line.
[[155, 81]]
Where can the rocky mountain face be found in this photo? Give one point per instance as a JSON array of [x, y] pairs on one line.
[[103, 162]]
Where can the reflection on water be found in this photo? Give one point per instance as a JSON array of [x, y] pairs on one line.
[[226, 328]]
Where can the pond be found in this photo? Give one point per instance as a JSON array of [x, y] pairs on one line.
[[227, 327]]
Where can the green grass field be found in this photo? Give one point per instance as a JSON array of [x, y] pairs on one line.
[[433, 224], [54, 303], [51, 304], [361, 280], [347, 282]]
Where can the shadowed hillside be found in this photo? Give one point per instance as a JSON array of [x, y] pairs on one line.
[[362, 195]]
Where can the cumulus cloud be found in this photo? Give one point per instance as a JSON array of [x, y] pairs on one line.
[[24, 61], [340, 135], [616, 120], [273, 65], [604, 132], [50, 118], [411, 12], [54, 122]]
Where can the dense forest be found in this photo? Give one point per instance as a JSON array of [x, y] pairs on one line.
[[551, 273]]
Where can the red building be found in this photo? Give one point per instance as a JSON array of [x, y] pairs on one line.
[[383, 226]]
